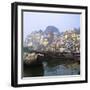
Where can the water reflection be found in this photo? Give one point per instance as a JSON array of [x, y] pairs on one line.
[[53, 68], [62, 69]]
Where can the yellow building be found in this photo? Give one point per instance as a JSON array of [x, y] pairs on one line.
[[45, 42]]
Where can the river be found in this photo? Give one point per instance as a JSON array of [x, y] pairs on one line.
[[52, 68]]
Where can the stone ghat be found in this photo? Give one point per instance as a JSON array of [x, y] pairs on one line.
[[38, 57]]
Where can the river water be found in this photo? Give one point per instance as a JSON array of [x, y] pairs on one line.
[[52, 68]]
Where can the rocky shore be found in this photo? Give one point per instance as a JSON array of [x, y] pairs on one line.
[[32, 58]]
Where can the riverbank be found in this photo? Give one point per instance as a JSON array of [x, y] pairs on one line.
[[38, 57]]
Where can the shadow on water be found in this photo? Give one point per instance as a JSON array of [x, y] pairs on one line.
[[33, 70], [56, 62]]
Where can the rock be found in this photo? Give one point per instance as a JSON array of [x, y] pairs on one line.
[[30, 58]]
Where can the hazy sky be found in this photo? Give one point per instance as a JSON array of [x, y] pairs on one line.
[[34, 21]]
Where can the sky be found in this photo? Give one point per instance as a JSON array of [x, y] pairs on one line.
[[34, 21]]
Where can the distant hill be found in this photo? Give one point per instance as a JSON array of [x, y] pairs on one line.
[[51, 29], [77, 30]]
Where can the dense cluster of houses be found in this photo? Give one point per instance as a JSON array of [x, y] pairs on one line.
[[68, 41]]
